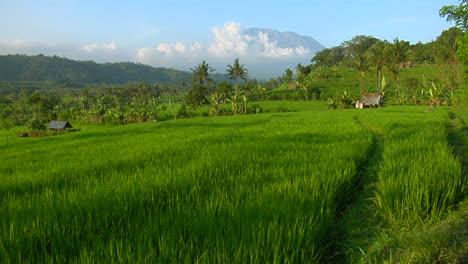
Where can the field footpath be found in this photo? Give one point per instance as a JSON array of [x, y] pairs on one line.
[[360, 234], [457, 137], [356, 227]]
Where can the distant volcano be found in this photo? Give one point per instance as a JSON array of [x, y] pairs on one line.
[[280, 50], [287, 39]]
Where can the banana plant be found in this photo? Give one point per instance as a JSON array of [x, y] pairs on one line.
[[304, 89], [258, 90], [383, 84], [344, 99], [436, 94], [239, 104], [244, 104], [332, 104], [215, 100]]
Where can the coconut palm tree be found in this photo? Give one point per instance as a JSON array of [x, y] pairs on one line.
[[377, 55], [237, 71], [201, 72], [397, 52], [362, 65]]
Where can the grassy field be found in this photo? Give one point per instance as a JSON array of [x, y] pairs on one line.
[[266, 188]]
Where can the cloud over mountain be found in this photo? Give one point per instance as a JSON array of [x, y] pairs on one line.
[[265, 52], [257, 48]]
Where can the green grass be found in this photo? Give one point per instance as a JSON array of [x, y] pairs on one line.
[[235, 189], [419, 177], [267, 188]]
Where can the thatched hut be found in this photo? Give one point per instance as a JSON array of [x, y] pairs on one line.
[[403, 65], [59, 126], [370, 99]]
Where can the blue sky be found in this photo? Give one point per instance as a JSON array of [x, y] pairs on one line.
[[114, 30]]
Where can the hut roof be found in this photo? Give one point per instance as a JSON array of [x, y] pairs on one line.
[[372, 98], [59, 125]]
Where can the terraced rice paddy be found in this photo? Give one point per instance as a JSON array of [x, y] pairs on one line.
[[264, 188]]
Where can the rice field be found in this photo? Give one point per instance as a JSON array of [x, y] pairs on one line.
[[264, 188]]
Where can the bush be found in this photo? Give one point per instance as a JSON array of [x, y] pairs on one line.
[[255, 109], [182, 112], [282, 109], [35, 123], [22, 134]]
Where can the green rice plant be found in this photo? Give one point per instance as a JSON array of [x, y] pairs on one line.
[[237, 189], [420, 179], [263, 188]]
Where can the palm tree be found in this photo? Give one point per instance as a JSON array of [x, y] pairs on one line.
[[361, 64], [200, 73], [398, 53], [377, 54], [237, 71]]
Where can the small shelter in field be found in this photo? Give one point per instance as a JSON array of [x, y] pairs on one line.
[[370, 99], [59, 126], [403, 65]]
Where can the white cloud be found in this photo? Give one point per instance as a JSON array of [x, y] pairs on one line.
[[301, 50], [180, 47], [258, 50], [22, 46], [100, 48], [169, 49], [228, 41], [196, 46], [99, 53], [165, 48], [143, 54], [270, 49]]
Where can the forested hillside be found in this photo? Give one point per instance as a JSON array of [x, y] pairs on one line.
[[63, 70]]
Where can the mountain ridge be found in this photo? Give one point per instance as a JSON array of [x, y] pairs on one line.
[[21, 67]]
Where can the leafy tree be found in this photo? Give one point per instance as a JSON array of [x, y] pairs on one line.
[[197, 95], [329, 57], [356, 48], [236, 72], [458, 14], [359, 44], [446, 45], [303, 70], [224, 89], [424, 52], [462, 52]]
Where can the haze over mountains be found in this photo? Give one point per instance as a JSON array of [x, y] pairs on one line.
[[288, 49], [265, 53]]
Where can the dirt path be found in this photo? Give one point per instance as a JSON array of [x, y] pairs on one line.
[[357, 226]]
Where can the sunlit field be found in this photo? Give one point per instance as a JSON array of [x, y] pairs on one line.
[[265, 188]]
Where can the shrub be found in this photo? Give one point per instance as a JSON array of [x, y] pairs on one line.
[[22, 134], [255, 109], [35, 123]]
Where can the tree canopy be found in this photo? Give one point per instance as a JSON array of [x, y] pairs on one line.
[[237, 71], [458, 14]]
